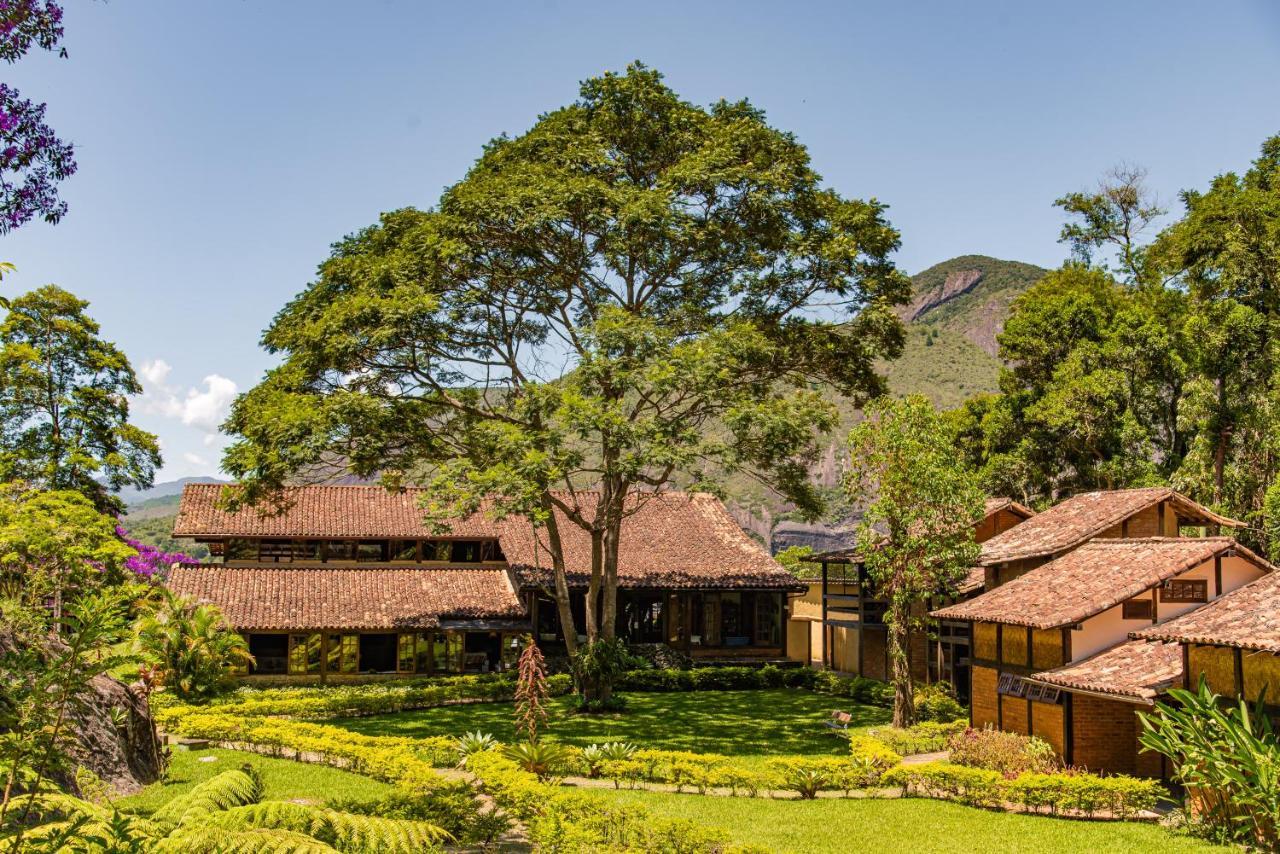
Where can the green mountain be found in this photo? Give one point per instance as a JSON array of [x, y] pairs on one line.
[[957, 310]]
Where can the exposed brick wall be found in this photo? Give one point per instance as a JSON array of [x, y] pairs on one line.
[[1047, 722], [1144, 523], [1147, 763], [875, 645], [1014, 715], [982, 684], [1104, 735]]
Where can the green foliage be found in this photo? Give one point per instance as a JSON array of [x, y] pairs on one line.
[[592, 758], [191, 648], [1227, 757], [936, 701], [454, 810], [55, 546], [1007, 753], [596, 666], [331, 701], [226, 814], [916, 533], [1064, 792], [795, 559], [672, 255], [46, 683], [924, 737], [545, 759], [158, 531], [64, 402], [229, 789], [874, 753], [472, 743]]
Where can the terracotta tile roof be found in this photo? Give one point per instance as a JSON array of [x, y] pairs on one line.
[[676, 540], [1135, 670], [1248, 617], [973, 582], [995, 505], [319, 511], [1071, 522], [1089, 580], [275, 598]]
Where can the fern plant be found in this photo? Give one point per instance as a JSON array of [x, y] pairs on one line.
[[222, 815]]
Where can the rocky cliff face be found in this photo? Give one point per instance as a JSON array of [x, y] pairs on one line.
[[111, 731], [956, 283]]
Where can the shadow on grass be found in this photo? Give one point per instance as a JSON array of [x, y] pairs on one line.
[[735, 723]]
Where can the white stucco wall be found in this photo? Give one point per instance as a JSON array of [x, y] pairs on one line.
[[1110, 628]]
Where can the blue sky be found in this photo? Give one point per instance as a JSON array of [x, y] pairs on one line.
[[224, 146]]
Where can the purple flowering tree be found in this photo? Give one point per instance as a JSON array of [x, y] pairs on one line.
[[150, 562], [33, 160]]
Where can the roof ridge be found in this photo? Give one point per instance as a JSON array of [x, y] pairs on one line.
[[1120, 541]]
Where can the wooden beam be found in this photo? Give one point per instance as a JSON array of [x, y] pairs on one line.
[[824, 616], [1217, 575]]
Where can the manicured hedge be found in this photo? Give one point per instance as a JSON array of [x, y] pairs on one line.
[[556, 819], [1067, 791]]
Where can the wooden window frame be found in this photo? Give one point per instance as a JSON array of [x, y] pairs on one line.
[[1138, 608], [1185, 591]]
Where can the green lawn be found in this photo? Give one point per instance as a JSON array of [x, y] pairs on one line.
[[915, 825], [736, 723], [283, 779]]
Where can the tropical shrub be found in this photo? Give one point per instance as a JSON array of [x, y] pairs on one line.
[[190, 648], [808, 775], [937, 702], [874, 752], [1009, 753], [544, 759], [926, 737], [592, 757], [1228, 757], [471, 743]]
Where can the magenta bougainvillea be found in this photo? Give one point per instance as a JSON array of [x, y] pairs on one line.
[[33, 160], [150, 561]]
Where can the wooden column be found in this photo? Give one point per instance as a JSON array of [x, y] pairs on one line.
[[825, 663]]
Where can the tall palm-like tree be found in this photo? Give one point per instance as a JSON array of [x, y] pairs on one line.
[[191, 647]]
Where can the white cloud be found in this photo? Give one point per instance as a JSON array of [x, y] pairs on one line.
[[195, 459], [155, 372], [208, 409]]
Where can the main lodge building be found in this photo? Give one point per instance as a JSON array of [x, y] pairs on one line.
[[349, 580]]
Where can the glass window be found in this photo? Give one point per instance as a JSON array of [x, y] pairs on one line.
[[435, 550], [404, 550], [407, 652], [371, 551], [241, 550], [340, 550], [275, 551], [490, 550], [1190, 590], [344, 654], [768, 619], [733, 620], [306, 550], [304, 653], [710, 622], [448, 652], [464, 551]]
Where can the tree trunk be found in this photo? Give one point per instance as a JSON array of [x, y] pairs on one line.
[[1220, 454], [904, 708], [556, 547]]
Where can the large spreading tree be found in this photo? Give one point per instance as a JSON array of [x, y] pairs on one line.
[[916, 534], [636, 293], [64, 407]]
